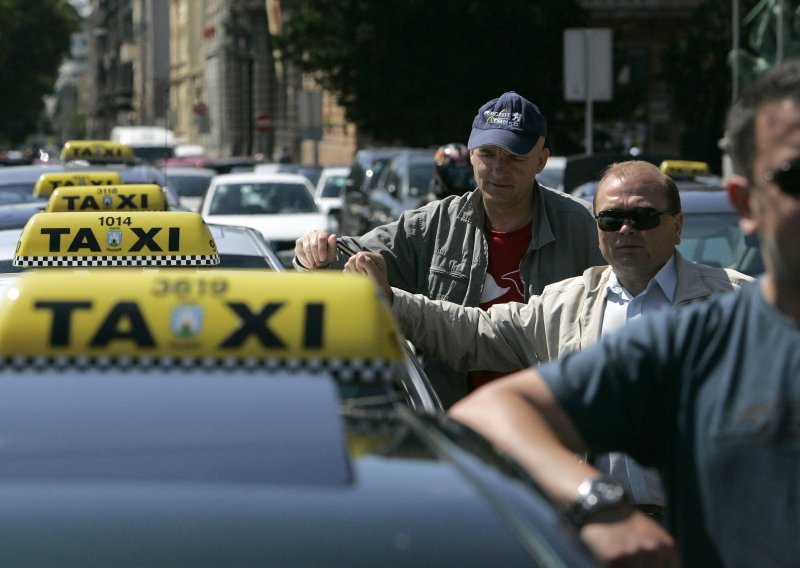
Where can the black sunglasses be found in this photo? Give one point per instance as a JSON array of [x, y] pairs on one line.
[[786, 177], [640, 218]]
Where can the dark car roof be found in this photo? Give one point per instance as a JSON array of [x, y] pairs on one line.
[[581, 169], [224, 468]]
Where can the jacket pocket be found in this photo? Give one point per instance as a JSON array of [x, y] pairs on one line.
[[447, 284]]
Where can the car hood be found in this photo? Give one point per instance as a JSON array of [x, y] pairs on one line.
[[275, 227], [238, 469]]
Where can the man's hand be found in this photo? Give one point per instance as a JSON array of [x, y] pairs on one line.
[[373, 265], [630, 539], [316, 249]]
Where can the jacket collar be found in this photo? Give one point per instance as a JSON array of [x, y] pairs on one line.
[[473, 211]]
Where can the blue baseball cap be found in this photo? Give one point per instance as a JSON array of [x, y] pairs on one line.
[[510, 121]]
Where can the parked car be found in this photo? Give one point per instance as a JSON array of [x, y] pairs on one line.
[[711, 233], [280, 206], [552, 175], [403, 184], [190, 184], [364, 173], [329, 189]]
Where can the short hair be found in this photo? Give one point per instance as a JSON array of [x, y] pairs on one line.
[[782, 82], [621, 170]]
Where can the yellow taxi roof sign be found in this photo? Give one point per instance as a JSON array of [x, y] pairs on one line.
[[108, 198], [136, 238], [684, 168], [47, 183], [214, 319], [96, 151]]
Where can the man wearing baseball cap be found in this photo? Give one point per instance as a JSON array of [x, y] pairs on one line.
[[503, 242]]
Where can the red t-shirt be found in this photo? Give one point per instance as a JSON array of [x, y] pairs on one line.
[[503, 282]]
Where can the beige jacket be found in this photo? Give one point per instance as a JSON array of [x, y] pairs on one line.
[[567, 316]]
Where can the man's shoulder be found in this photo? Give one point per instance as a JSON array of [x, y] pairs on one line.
[[591, 278], [716, 278], [564, 201]]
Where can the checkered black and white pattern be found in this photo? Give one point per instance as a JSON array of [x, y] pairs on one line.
[[344, 370], [122, 260]]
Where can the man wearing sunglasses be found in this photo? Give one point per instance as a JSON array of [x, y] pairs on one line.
[[710, 394]]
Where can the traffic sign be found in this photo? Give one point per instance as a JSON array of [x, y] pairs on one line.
[[263, 122]]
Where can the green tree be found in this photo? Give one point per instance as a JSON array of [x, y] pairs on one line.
[[415, 71], [697, 72], [761, 51], [34, 37]]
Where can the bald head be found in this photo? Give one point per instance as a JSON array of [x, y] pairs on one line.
[[622, 171]]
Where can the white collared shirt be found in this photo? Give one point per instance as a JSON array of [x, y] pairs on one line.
[[622, 307], [642, 484]]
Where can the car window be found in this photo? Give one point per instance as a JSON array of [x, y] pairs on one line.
[[419, 179], [189, 186], [261, 199], [18, 193], [713, 239], [377, 167], [392, 177], [333, 186]]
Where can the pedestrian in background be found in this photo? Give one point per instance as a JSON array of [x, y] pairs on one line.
[[710, 393], [504, 241]]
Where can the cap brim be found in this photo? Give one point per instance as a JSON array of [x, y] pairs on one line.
[[511, 141]]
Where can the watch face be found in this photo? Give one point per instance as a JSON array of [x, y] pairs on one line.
[[594, 495], [608, 492]]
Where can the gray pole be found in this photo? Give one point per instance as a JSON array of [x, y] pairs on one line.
[[735, 59], [587, 71]]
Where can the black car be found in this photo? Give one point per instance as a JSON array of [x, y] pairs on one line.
[[241, 419], [364, 174], [403, 184]]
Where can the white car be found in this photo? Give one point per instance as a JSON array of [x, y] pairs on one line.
[[280, 206], [552, 175], [330, 187]]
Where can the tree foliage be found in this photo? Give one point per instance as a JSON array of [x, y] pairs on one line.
[[697, 72], [34, 37], [415, 71], [761, 51]]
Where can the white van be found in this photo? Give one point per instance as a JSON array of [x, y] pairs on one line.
[[150, 143]]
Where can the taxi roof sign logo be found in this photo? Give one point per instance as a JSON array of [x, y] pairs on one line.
[[114, 239], [186, 321]]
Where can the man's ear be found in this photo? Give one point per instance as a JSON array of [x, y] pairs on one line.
[[739, 195]]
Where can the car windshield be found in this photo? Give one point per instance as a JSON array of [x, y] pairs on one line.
[[18, 193], [333, 186], [716, 240], [261, 199], [189, 186]]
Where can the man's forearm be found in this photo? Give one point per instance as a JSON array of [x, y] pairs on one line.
[[464, 338]]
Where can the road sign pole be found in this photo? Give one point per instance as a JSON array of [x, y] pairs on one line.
[[587, 73]]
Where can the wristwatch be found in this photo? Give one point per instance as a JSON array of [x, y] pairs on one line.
[[594, 494]]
